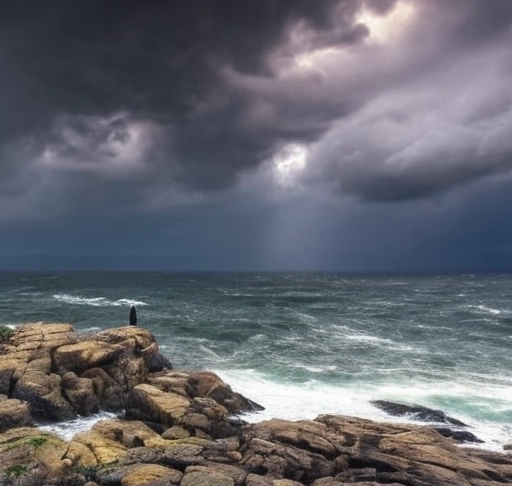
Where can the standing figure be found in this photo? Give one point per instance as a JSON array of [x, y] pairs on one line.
[[133, 316]]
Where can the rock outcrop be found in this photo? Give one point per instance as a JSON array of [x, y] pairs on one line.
[[180, 429], [61, 374]]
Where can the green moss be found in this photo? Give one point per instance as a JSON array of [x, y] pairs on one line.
[[17, 470], [5, 333], [35, 441]]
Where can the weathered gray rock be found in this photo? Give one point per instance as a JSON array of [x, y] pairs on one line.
[[206, 477]]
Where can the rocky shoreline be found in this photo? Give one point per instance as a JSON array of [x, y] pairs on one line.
[[183, 428]]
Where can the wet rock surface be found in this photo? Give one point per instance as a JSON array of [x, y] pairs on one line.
[[417, 412], [179, 427], [452, 427]]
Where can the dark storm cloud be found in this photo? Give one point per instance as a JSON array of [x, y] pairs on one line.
[[154, 61], [120, 105]]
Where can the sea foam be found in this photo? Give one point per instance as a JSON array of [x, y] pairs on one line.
[[305, 401], [66, 430], [96, 301]]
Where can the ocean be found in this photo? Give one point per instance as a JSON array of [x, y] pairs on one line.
[[304, 344]]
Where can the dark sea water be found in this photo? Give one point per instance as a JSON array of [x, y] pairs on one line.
[[305, 344]]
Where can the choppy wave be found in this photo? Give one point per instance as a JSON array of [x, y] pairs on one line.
[[96, 301], [317, 343]]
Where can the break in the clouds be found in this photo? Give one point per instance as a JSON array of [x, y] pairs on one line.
[[367, 106]]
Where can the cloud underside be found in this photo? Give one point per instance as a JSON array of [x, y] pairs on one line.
[[162, 103]]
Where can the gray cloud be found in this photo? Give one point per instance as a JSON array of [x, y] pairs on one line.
[[193, 94], [167, 112], [73, 74]]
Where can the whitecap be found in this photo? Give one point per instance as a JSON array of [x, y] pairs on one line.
[[96, 301], [486, 309], [314, 369], [366, 338], [129, 302]]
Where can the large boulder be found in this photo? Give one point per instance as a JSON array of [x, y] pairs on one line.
[[85, 354], [165, 407], [203, 385], [43, 393], [14, 413]]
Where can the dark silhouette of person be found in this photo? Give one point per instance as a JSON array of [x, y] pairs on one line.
[[133, 316]]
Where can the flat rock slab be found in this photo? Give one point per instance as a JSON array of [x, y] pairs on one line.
[[86, 354]]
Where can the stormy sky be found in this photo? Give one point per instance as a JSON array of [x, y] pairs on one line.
[[351, 135]]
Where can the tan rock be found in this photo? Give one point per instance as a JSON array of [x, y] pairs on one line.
[[86, 354], [43, 334], [284, 461], [176, 382], [32, 341], [7, 367], [13, 413], [130, 433], [208, 385], [128, 371], [237, 474], [151, 475], [165, 407], [142, 338], [105, 450], [206, 478], [309, 435], [210, 408], [109, 392], [43, 393], [80, 455], [34, 449], [176, 432], [257, 480], [80, 393], [196, 420], [289, 482]]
